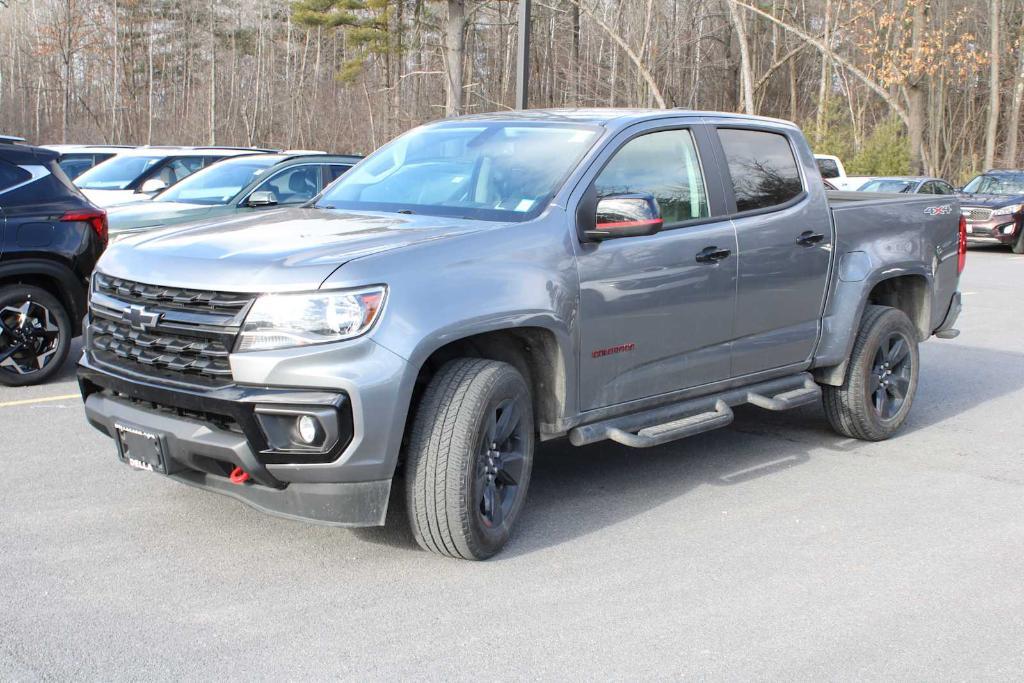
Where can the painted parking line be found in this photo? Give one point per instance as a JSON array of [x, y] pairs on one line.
[[46, 399]]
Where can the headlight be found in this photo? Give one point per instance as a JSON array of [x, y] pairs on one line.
[[282, 320], [1007, 210]]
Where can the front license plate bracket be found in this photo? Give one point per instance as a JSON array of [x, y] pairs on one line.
[[140, 449]]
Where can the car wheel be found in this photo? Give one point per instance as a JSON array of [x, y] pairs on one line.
[[35, 335], [881, 380], [469, 458], [1018, 244]]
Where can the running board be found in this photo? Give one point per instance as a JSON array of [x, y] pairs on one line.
[[687, 418]]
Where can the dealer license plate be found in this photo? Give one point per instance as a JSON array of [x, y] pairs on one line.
[[140, 449]]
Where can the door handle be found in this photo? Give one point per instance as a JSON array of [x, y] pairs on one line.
[[808, 238], [712, 255]]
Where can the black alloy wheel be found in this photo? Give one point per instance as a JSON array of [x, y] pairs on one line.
[[500, 462], [469, 458], [891, 374], [34, 335]]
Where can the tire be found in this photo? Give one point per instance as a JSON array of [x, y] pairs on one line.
[[868, 405], [464, 495], [1018, 244], [35, 335]]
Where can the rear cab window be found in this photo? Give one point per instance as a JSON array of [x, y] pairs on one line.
[[762, 168], [828, 167]]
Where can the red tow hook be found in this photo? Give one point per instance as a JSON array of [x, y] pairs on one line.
[[238, 476]]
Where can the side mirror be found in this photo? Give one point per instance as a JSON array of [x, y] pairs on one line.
[[152, 186], [264, 198], [625, 215]]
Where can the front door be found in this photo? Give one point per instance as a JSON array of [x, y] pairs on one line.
[[784, 232], [654, 319]]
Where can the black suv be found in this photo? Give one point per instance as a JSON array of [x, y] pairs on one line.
[[50, 239]]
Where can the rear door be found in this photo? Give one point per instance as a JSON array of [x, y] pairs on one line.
[[784, 236], [654, 319]]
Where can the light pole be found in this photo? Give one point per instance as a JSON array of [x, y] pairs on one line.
[[523, 56]]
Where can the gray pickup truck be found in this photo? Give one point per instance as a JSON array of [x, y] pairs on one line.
[[486, 282]]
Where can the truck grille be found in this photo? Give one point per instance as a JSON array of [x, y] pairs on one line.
[[170, 297], [973, 214], [187, 336]]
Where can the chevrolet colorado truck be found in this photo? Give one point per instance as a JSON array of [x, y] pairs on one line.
[[483, 283]]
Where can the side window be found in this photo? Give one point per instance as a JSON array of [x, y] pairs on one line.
[[828, 167], [294, 185], [929, 188], [11, 175], [662, 164], [179, 169], [333, 172], [762, 167], [942, 188]]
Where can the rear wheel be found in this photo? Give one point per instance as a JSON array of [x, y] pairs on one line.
[[881, 380], [469, 458], [35, 335]]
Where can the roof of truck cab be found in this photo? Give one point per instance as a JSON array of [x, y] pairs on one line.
[[610, 117]]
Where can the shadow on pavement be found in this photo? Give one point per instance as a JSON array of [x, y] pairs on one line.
[[576, 491]]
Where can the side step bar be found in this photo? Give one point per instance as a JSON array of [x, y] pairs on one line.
[[679, 420]]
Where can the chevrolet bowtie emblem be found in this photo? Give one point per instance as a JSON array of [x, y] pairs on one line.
[[139, 318]]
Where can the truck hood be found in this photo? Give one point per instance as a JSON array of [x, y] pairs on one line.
[[990, 201], [274, 251], [150, 214]]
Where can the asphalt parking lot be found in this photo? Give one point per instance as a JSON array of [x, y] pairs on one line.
[[771, 549]]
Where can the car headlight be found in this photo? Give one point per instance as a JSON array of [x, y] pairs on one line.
[[281, 320], [1007, 210]]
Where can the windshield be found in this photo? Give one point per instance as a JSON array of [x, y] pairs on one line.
[[487, 170], [217, 184], [117, 173], [886, 186], [996, 184]]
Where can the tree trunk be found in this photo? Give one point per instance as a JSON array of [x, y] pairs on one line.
[[746, 77], [993, 86], [212, 136], [455, 41], [916, 94], [1013, 123], [823, 83]]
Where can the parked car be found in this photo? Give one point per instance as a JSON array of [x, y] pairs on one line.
[[142, 172], [233, 186], [482, 283], [993, 204], [832, 169], [50, 239], [908, 185], [77, 159]]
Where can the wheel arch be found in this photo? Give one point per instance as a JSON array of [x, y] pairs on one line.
[[536, 351], [908, 290], [55, 278]]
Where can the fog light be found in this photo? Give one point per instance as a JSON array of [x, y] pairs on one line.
[[308, 428], [1008, 229]]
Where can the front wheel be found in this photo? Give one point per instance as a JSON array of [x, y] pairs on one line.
[[881, 380], [469, 458], [1017, 246], [35, 335]]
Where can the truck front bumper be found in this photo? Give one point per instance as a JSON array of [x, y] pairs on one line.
[[204, 435]]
